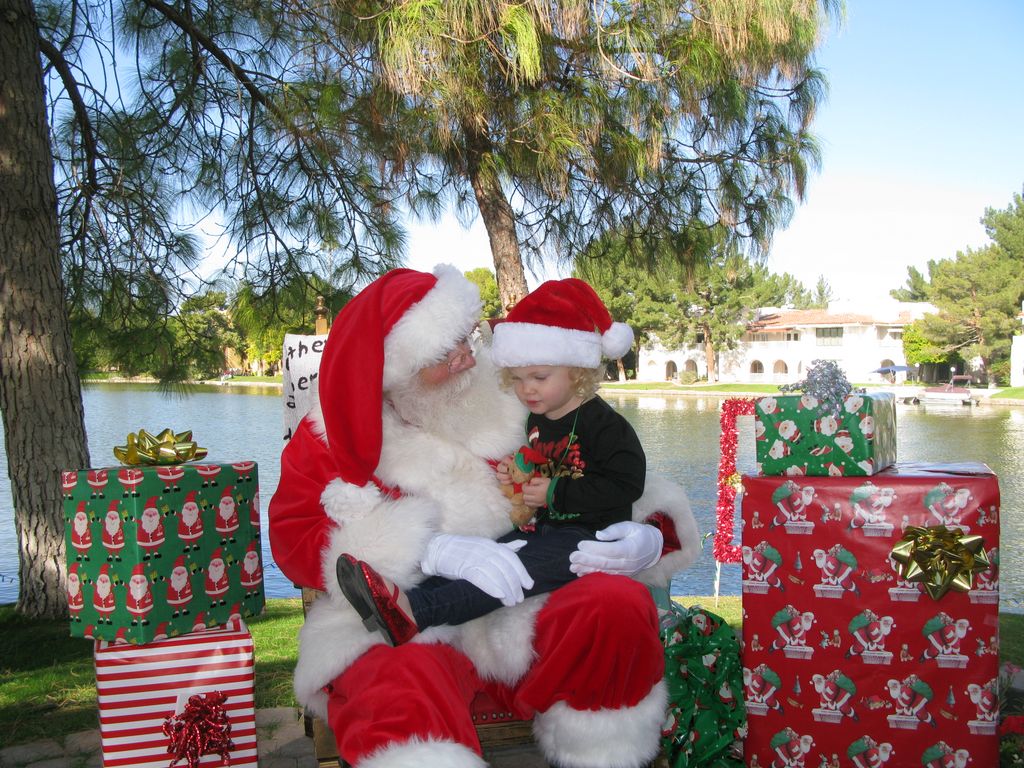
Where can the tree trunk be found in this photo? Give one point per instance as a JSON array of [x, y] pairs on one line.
[[40, 393], [498, 219], [709, 355]]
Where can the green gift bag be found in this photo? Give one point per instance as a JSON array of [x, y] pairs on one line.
[[706, 718]]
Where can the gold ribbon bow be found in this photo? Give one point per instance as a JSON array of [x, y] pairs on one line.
[[940, 558], [166, 448]]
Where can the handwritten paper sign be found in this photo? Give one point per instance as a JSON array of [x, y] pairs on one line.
[[300, 363]]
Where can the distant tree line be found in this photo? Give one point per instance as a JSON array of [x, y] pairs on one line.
[[978, 296], [238, 325]]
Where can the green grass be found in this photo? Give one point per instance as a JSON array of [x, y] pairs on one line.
[[247, 379], [665, 386], [47, 682], [1010, 393]]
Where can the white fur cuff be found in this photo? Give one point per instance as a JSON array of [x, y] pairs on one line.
[[343, 501], [606, 738], [424, 754]]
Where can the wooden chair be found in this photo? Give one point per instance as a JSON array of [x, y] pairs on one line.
[[495, 727]]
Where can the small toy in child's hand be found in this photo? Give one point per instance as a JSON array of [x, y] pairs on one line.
[[521, 469]]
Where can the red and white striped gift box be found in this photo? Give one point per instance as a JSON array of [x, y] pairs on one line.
[[140, 686]]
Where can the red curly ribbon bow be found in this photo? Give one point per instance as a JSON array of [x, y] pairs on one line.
[[202, 728]]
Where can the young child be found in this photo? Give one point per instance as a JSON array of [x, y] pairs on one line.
[[549, 349]]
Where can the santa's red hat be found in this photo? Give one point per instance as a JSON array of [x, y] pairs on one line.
[[227, 492], [563, 322], [190, 497], [105, 570], [397, 325], [150, 503], [217, 554], [113, 506], [180, 562], [137, 570]]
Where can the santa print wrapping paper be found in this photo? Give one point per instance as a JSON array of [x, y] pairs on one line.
[[844, 662], [159, 551], [796, 435], [139, 687]]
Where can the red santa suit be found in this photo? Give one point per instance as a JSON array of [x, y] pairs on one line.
[[113, 533], [252, 572], [139, 598], [103, 595], [179, 587], [76, 600], [190, 521], [81, 534], [216, 582], [359, 478], [227, 513], [150, 531]]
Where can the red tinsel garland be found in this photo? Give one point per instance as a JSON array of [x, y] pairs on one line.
[[728, 479], [202, 728]]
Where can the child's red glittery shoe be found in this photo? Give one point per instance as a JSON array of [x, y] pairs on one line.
[[375, 600]]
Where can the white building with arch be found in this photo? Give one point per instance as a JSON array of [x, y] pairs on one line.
[[780, 344], [1017, 357]]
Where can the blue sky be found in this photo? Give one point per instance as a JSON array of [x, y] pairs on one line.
[[922, 130]]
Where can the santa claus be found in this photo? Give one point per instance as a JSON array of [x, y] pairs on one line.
[[216, 582], [179, 588], [113, 533], [139, 599], [103, 596], [76, 600], [190, 522], [227, 516], [81, 533], [252, 571], [395, 465], [150, 532]]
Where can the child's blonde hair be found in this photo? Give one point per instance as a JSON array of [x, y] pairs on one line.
[[585, 381]]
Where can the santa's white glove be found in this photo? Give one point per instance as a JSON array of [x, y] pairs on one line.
[[495, 568], [623, 548]]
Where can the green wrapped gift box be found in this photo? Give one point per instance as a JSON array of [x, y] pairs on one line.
[[796, 435], [160, 551]]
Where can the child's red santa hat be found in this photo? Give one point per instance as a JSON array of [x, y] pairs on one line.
[[397, 325], [563, 322]]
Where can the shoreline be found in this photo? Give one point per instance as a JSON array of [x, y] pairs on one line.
[[629, 388]]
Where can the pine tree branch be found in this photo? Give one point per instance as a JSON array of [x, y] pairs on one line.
[[67, 77], [188, 27]]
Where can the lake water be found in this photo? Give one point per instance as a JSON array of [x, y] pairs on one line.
[[680, 435]]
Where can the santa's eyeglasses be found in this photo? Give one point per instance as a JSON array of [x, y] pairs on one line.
[[457, 358]]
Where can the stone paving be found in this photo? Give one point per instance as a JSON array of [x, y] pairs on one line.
[[281, 739]]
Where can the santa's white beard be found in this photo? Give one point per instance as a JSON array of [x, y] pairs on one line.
[[470, 408]]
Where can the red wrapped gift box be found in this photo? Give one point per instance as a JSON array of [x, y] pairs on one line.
[[140, 686], [846, 663]]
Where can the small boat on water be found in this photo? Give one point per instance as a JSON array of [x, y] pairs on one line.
[[955, 392]]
